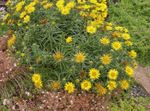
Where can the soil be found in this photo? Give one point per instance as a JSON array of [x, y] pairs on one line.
[[8, 67], [60, 101]]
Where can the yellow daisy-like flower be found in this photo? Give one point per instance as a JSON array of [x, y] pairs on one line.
[[111, 85], [91, 29], [11, 41], [132, 54], [119, 28], [86, 85], [55, 85], [30, 9], [80, 57], [19, 6], [113, 74], [36, 77], [128, 43], [58, 56], [124, 84], [100, 89], [65, 11], [108, 28], [129, 70], [135, 64], [38, 84], [48, 5], [116, 34], [116, 45], [23, 14], [69, 39], [26, 19], [104, 41], [126, 36], [69, 87], [94, 73], [106, 59]]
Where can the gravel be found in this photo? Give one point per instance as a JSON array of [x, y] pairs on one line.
[[137, 91]]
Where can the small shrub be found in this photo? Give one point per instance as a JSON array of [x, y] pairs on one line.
[[70, 42]]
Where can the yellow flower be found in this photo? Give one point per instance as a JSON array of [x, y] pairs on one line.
[[111, 85], [43, 2], [132, 54], [113, 74], [135, 64], [116, 34], [69, 39], [104, 41], [23, 14], [116, 45], [38, 84], [48, 5], [80, 57], [6, 16], [60, 4], [129, 71], [126, 36], [86, 85], [70, 4], [69, 87], [36, 77], [91, 29], [55, 85], [22, 54], [65, 11], [11, 41], [124, 84], [108, 26], [106, 59], [58, 56], [128, 43], [100, 89], [30, 9], [94, 73], [19, 6], [119, 28], [26, 19]]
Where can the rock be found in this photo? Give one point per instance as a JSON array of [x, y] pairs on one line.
[[141, 76]]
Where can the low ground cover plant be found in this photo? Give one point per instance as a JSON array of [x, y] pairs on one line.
[[123, 12], [67, 44]]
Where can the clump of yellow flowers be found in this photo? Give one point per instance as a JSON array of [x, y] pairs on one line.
[[36, 78], [69, 43]]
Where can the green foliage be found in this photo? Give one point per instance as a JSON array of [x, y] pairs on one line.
[[41, 36], [134, 14], [126, 103], [3, 108]]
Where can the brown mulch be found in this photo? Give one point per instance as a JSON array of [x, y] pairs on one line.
[[60, 101], [8, 67], [6, 62]]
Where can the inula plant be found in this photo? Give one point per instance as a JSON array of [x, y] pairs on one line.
[[69, 43]]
